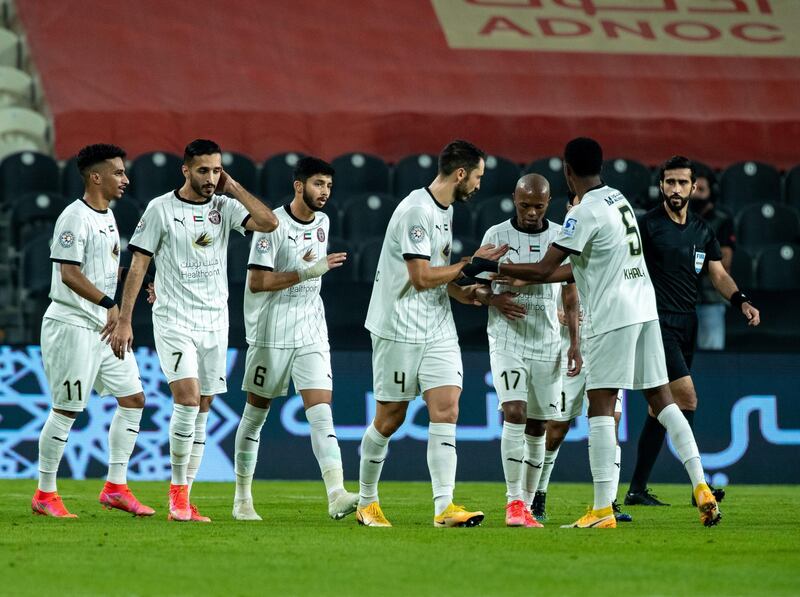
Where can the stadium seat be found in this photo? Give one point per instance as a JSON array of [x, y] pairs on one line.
[[238, 256], [16, 88], [463, 247], [16, 145], [759, 225], [413, 172], [743, 268], [345, 309], [335, 219], [26, 172], [127, 214], [500, 177], [31, 212], [366, 216], [463, 221], [35, 269], [346, 273], [72, 185], [242, 169], [10, 51], [792, 187], [749, 182], [359, 173], [22, 123], [368, 256], [236, 330], [778, 267], [557, 210], [153, 174], [277, 176], [491, 212], [630, 177], [552, 169]]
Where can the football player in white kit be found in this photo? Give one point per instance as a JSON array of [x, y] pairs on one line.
[[414, 342], [623, 340], [187, 231], [85, 255], [287, 335], [525, 346]]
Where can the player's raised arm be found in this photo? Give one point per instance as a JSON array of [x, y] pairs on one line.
[[261, 217]]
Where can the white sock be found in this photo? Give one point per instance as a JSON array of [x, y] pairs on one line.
[[198, 447], [121, 439], [52, 442], [547, 469], [442, 462], [181, 434], [326, 448], [512, 451], [373, 452], [602, 443], [683, 439], [617, 469], [534, 464], [248, 437]]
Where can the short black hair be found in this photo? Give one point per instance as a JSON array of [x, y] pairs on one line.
[[584, 156], [309, 166], [459, 154], [94, 154], [200, 147], [678, 162]]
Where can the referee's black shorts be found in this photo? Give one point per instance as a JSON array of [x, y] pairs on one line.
[[679, 334]]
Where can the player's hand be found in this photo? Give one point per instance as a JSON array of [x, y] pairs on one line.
[[562, 317], [336, 260], [112, 315], [574, 361], [121, 339], [505, 303], [225, 185], [468, 295], [491, 252], [752, 314], [151, 293], [509, 281]]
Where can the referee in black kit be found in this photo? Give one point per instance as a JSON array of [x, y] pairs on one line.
[[676, 243]]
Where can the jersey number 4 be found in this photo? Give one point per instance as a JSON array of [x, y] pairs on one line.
[[629, 220]]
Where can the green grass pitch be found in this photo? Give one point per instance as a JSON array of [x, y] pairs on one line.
[[298, 550]]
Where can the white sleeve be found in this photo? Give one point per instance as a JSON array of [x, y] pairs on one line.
[[236, 214], [414, 229], [262, 250], [149, 232], [69, 240], [580, 226]]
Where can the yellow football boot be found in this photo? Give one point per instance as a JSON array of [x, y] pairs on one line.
[[372, 516], [707, 505], [595, 519], [457, 516]]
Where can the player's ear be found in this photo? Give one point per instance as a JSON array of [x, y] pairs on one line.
[[298, 186], [185, 170]]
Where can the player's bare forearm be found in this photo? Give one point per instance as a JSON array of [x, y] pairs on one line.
[[549, 269], [266, 281], [721, 279], [423, 276], [261, 217], [569, 296], [483, 294], [133, 283], [73, 278]]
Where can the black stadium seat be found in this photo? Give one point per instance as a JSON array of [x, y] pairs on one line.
[[277, 176], [491, 212], [358, 173], [743, 268], [778, 268], [153, 174], [413, 172], [463, 222], [347, 272], [334, 214], [127, 214], [238, 255], [792, 187], [368, 255], [749, 182], [33, 211], [500, 177], [630, 177], [72, 185], [25, 172], [768, 223], [35, 266], [552, 169], [366, 216]]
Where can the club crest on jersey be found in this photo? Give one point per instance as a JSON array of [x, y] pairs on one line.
[[569, 227], [320, 235], [214, 216], [66, 239], [699, 259], [416, 234], [204, 240], [263, 245]]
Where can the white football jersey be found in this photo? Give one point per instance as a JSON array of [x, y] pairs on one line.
[[536, 336], [420, 228], [602, 237], [189, 242], [87, 237], [295, 316]]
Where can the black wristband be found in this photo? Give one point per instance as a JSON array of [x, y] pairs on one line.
[[738, 298], [480, 265], [107, 302]]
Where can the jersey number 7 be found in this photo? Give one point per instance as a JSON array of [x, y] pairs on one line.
[[629, 220]]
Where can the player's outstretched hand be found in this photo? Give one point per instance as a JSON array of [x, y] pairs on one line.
[[112, 315], [151, 293], [121, 339], [468, 295], [509, 281], [336, 260], [574, 361], [505, 303], [752, 314], [491, 252]]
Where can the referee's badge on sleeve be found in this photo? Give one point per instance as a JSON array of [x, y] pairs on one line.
[[699, 259]]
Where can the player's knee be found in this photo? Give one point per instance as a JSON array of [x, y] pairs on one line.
[[514, 412], [135, 401], [388, 425], [535, 427], [556, 432]]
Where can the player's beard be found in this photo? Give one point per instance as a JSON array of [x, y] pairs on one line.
[[671, 206], [200, 190], [310, 202], [461, 194]]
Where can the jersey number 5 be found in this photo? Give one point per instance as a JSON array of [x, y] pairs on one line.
[[629, 220]]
